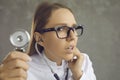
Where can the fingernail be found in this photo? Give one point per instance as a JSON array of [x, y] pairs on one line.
[[75, 57]]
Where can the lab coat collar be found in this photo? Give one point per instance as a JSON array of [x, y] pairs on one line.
[[53, 64]]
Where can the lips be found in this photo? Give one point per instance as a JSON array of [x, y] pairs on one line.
[[70, 48]]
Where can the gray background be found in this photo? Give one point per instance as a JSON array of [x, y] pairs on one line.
[[101, 35]]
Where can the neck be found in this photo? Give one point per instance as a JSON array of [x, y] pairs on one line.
[[53, 58]]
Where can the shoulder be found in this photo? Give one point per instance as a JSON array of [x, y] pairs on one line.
[[86, 57], [87, 68], [87, 62]]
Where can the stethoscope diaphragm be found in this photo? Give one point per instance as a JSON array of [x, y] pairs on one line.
[[20, 38]]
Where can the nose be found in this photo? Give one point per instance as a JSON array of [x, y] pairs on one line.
[[71, 35]]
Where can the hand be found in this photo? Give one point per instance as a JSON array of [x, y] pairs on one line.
[[14, 66], [76, 64]]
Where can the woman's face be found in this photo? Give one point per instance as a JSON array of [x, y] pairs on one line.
[[55, 48]]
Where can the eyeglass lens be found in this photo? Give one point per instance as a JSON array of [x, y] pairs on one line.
[[64, 31]]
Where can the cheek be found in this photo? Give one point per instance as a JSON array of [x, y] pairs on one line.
[[53, 42], [76, 40]]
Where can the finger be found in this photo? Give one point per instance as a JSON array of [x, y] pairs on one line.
[[16, 63], [76, 55], [77, 58], [16, 55], [80, 58], [15, 73], [77, 52]]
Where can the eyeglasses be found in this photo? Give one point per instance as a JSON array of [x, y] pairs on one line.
[[63, 32]]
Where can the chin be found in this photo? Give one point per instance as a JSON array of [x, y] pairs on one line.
[[68, 57]]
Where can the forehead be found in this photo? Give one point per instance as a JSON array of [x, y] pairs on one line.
[[61, 16]]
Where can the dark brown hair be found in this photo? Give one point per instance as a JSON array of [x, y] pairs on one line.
[[41, 18]]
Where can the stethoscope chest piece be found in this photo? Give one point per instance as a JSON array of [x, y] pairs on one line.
[[20, 39]]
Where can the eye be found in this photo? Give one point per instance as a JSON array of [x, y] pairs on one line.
[[61, 28]]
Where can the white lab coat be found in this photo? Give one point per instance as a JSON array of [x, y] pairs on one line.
[[39, 70]]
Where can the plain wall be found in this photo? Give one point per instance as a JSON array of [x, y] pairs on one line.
[[101, 38]]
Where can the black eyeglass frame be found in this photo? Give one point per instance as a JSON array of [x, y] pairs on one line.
[[55, 29]]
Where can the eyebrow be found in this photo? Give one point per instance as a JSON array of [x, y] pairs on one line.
[[59, 24]]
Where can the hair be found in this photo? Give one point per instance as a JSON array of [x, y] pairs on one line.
[[41, 18]]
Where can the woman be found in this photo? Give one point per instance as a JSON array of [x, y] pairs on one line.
[[52, 49]]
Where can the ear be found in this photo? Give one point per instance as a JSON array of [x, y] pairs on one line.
[[38, 38]]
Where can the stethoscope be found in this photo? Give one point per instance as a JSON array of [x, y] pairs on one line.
[[54, 74], [57, 77]]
